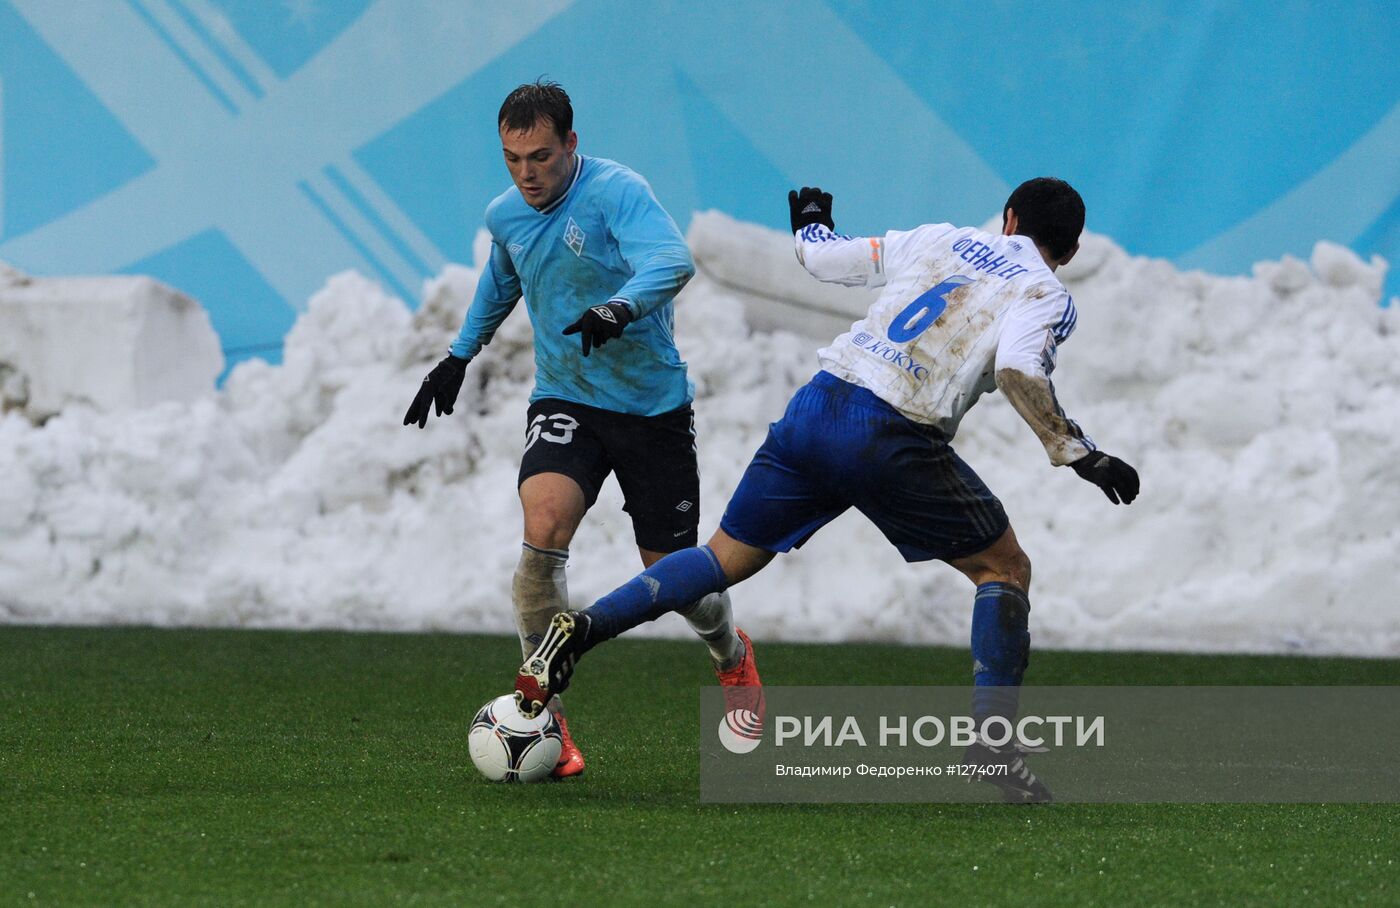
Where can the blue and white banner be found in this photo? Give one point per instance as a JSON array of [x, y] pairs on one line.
[[243, 150]]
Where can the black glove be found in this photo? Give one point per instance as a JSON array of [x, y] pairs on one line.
[[1116, 478], [601, 324], [810, 206], [440, 388]]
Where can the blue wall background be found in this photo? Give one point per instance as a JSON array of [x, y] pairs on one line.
[[243, 150]]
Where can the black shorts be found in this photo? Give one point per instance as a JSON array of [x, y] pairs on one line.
[[653, 457]]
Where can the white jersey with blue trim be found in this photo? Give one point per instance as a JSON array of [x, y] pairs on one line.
[[961, 310]]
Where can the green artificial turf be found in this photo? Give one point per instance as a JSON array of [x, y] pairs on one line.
[[248, 767]]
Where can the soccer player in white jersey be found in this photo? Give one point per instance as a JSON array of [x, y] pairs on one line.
[[598, 261], [962, 312]]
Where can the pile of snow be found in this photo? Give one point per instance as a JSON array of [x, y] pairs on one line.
[[758, 267], [115, 343], [1262, 412]]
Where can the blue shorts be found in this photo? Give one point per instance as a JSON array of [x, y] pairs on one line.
[[839, 446]]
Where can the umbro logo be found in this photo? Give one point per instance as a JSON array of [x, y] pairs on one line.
[[515, 249], [812, 208], [684, 506], [574, 237], [605, 314]]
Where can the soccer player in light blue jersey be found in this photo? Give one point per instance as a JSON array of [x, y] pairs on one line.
[[598, 261], [962, 312]]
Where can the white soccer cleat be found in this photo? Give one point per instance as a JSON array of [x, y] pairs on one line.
[[546, 671]]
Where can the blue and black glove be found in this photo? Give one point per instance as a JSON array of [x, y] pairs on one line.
[[601, 324]]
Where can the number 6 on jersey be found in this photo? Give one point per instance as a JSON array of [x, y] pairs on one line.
[[919, 316]]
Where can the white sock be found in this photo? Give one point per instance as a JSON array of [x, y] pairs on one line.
[[538, 592], [712, 619]]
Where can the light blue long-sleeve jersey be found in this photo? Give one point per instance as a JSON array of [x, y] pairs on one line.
[[606, 238]]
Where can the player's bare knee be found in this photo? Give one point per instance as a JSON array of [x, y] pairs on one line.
[[1002, 562], [1010, 564], [1007, 562], [549, 524], [1018, 569], [738, 560]]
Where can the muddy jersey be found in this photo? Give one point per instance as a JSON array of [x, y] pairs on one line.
[[961, 312]]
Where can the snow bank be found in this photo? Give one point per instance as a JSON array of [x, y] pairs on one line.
[[115, 343], [758, 267], [1262, 412]]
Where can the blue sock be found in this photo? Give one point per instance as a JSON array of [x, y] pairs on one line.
[[673, 582], [1001, 648]]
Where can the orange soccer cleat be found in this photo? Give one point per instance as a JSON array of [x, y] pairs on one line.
[[570, 757], [743, 689]]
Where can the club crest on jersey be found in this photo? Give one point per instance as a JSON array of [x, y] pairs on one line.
[[574, 237]]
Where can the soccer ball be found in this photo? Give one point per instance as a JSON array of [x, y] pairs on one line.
[[507, 747]]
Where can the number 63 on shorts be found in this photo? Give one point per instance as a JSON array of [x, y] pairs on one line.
[[556, 427]]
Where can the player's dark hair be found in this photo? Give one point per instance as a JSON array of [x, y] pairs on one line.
[[535, 101], [1048, 211]]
